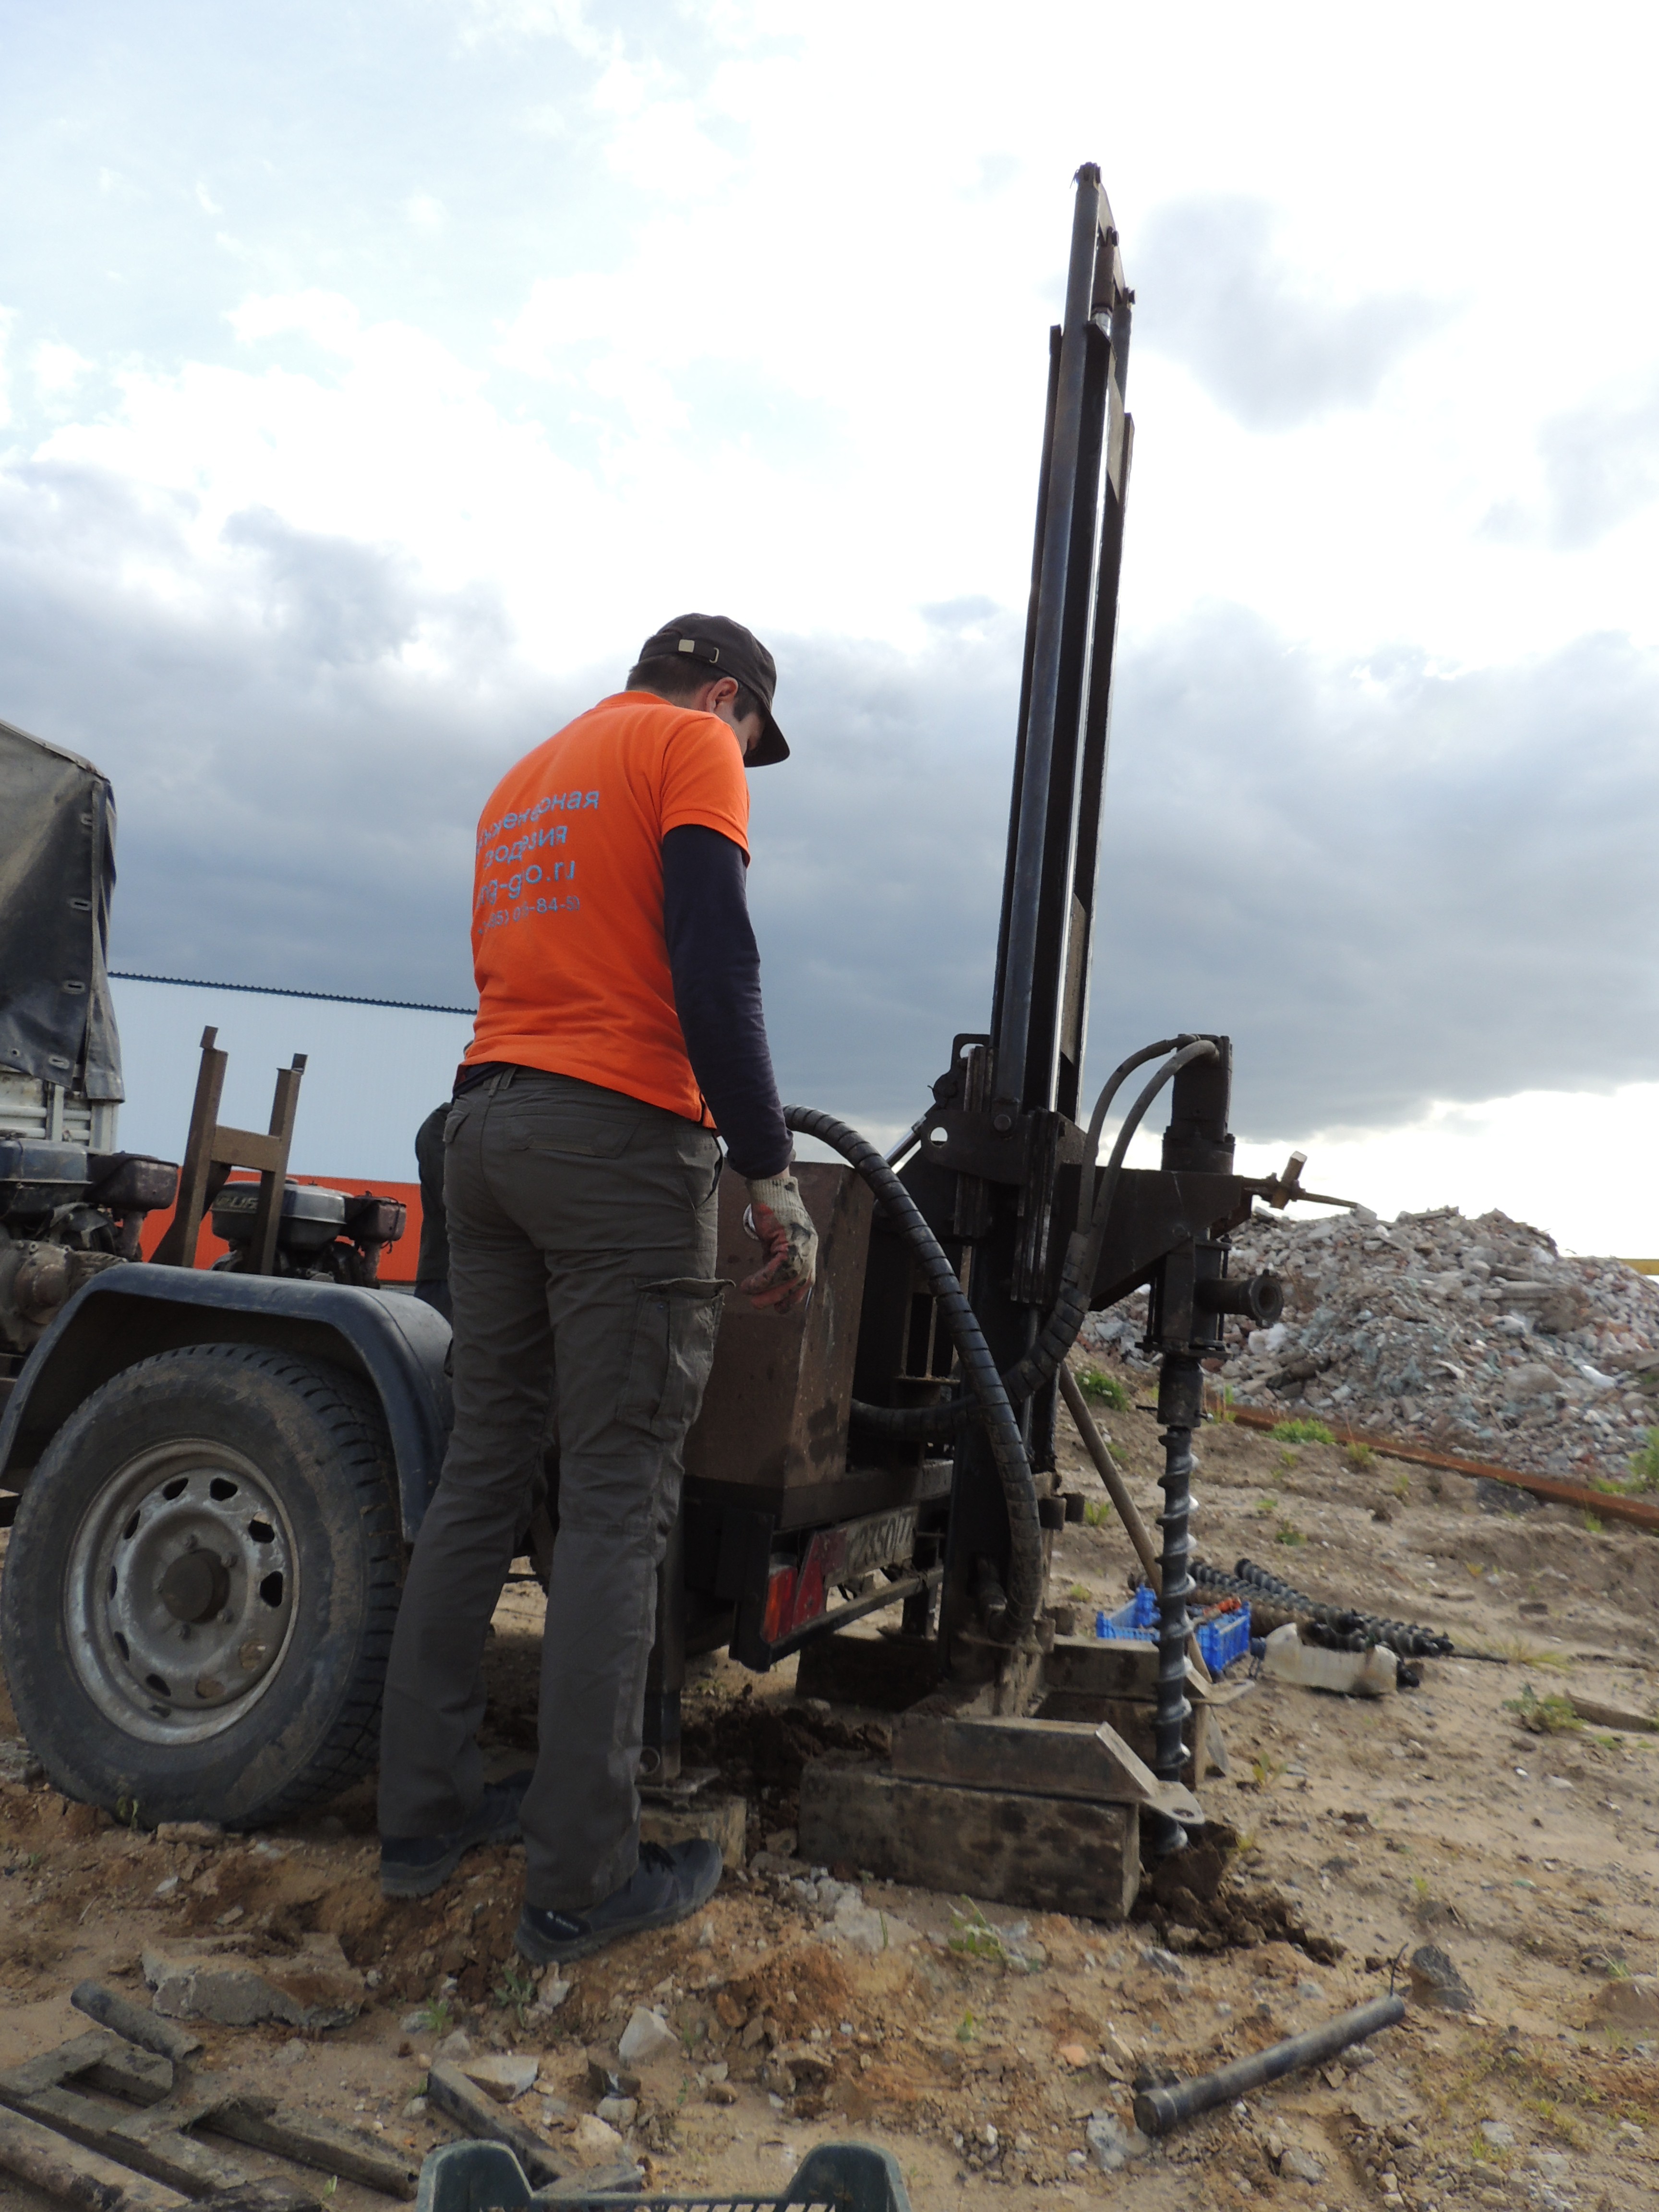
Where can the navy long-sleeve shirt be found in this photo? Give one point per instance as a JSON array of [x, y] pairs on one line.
[[715, 964]]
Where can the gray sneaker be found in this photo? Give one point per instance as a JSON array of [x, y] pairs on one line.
[[670, 1881]]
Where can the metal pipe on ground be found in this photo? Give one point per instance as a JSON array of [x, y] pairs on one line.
[[1607, 1505], [1158, 2111]]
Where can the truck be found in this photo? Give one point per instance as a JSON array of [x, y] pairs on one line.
[[216, 1474]]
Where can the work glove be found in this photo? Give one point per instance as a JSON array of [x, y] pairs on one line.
[[778, 1219]]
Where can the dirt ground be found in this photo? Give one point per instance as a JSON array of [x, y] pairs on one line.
[[1363, 1829]]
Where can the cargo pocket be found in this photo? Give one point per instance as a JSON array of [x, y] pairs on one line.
[[674, 1331]]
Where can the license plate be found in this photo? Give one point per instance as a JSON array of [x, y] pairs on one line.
[[884, 1539]]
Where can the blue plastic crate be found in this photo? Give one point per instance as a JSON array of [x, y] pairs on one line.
[[1221, 1640], [1225, 1638]]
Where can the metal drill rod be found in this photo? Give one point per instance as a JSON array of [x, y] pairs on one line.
[[1158, 2111], [1175, 1390]]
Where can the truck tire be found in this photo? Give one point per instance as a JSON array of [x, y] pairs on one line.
[[201, 1586]]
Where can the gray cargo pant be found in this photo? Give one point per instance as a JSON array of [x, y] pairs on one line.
[[581, 1228]]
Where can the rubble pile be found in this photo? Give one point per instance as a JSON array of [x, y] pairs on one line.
[[1473, 1337]]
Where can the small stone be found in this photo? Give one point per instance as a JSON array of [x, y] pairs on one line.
[[1632, 2002], [456, 2046], [1310, 1990], [166, 1887], [1300, 2165], [594, 2139], [1498, 2135], [293, 2053], [554, 1990], [414, 2109], [721, 2092], [782, 1842], [1164, 1962], [646, 2036], [505, 2077], [607, 2077], [1116, 2057], [1073, 2054], [418, 2022], [617, 2112], [189, 1832]]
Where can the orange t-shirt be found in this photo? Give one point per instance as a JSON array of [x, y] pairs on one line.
[[568, 943]]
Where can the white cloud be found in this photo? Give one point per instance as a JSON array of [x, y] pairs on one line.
[[58, 368]]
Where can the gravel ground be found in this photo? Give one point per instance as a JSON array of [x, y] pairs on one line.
[[1429, 1817]]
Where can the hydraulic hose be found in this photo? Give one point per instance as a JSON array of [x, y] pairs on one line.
[[1066, 1316], [1025, 1569]]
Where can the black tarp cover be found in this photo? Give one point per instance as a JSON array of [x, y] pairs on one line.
[[56, 875]]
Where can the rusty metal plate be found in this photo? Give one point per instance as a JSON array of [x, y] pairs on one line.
[[774, 1415]]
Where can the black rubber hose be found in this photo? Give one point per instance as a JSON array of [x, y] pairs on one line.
[[1025, 1567], [1070, 1307]]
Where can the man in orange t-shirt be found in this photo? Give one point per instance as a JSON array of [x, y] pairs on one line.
[[619, 1028]]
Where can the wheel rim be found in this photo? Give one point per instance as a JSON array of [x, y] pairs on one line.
[[181, 1593]]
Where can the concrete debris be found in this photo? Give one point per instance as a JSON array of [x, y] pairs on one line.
[[1631, 2002], [645, 2037], [1473, 1337], [1496, 2135], [455, 2049], [1436, 1983], [314, 1987], [504, 2075], [1300, 2165], [594, 2140], [1111, 2145], [617, 2112], [554, 1989]]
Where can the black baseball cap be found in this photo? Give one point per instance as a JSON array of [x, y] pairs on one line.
[[729, 649]]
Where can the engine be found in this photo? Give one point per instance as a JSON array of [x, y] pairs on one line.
[[66, 1214], [324, 1235]]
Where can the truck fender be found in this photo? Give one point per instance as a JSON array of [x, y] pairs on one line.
[[398, 1344]]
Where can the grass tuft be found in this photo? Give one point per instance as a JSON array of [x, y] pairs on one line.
[[1302, 1433], [1096, 1383], [1550, 1715]]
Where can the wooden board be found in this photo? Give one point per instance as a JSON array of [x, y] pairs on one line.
[[74, 2175], [1049, 1854]]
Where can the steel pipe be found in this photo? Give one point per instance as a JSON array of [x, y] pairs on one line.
[[1158, 2111]]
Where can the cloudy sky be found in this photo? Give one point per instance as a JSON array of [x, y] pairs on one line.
[[378, 375]]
